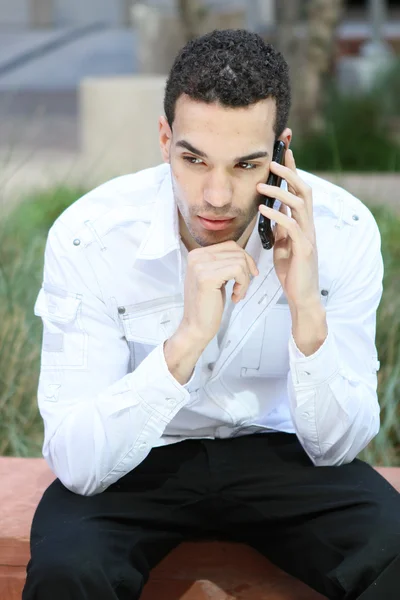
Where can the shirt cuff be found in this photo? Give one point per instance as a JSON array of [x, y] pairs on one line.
[[157, 388], [318, 367]]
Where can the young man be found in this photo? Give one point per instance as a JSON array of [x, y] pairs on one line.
[[194, 384]]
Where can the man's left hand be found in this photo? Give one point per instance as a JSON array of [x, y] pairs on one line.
[[295, 249]]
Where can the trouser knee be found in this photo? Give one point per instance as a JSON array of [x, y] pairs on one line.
[[79, 580]]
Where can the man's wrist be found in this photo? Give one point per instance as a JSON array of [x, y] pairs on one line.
[[182, 351], [191, 338], [309, 327]]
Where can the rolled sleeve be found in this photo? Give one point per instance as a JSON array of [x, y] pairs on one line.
[[101, 420], [333, 392], [314, 369]]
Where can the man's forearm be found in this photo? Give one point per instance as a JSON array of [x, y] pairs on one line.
[[182, 352], [309, 328]]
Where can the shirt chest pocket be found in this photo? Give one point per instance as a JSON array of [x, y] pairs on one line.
[[148, 324], [266, 353], [153, 321]]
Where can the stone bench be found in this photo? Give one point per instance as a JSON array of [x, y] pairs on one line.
[[193, 571]]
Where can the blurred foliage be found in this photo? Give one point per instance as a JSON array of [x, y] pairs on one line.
[[37, 213], [387, 91], [361, 131], [23, 237], [385, 448]]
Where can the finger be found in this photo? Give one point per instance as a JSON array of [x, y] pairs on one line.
[[292, 227], [296, 204], [291, 176], [284, 209], [288, 198], [291, 164], [251, 263], [197, 254], [280, 233], [308, 197], [238, 255], [289, 160], [221, 271]]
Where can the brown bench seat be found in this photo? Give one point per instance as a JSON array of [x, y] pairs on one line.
[[193, 571]]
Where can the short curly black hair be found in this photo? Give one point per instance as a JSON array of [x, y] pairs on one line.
[[233, 67]]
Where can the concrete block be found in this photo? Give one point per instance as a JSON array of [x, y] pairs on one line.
[[119, 123], [42, 13], [14, 14]]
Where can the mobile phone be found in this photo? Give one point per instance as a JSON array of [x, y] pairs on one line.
[[264, 224]]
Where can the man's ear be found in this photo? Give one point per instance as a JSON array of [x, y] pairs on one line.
[[286, 136], [165, 137]]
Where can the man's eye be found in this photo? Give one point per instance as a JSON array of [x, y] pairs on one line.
[[192, 160], [247, 166]]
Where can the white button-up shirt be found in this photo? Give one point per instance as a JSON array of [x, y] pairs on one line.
[[113, 292]]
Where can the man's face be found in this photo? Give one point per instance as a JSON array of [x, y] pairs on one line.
[[218, 155]]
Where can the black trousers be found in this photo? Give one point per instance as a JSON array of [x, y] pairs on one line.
[[335, 528]]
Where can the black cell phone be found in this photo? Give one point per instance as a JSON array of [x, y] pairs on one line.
[[264, 224]]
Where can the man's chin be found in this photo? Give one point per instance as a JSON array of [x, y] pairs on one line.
[[207, 237], [211, 238]]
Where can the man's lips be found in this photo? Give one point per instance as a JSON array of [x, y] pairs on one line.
[[215, 224], [216, 218]]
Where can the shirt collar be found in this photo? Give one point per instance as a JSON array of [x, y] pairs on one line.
[[163, 234]]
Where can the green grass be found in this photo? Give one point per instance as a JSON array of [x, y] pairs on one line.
[[385, 448], [23, 237]]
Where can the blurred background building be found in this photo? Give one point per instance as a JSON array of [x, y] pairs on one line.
[[81, 81]]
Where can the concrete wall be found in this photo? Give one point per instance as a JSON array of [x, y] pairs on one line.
[[14, 13], [119, 123], [160, 35], [21, 14], [80, 12], [61, 13], [41, 14]]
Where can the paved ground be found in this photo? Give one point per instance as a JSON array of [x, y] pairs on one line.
[[102, 52], [38, 99], [14, 44], [37, 120]]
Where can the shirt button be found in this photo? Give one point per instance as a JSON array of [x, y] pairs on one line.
[[355, 217], [324, 292], [142, 446], [77, 242], [211, 365], [121, 310], [171, 401], [263, 299]]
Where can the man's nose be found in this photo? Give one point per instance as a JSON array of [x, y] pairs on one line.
[[218, 191]]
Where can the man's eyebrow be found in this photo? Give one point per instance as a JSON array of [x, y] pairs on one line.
[[193, 150]]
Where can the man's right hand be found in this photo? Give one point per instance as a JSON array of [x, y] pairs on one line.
[[209, 269]]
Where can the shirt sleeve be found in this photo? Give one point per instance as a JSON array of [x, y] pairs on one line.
[[100, 419], [333, 393]]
